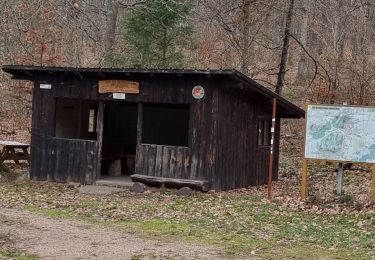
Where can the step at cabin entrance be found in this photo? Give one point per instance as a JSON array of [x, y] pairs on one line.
[[119, 140]]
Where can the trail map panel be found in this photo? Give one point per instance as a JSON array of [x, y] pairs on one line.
[[340, 133]]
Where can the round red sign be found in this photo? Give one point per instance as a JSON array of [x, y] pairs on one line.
[[198, 92]]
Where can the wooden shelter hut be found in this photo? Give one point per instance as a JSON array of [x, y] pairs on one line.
[[204, 128]]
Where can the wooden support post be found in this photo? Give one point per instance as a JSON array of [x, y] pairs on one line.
[[304, 180], [373, 185], [80, 118], [340, 179], [272, 149], [99, 141], [139, 123]]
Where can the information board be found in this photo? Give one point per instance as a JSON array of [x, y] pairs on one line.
[[340, 133]]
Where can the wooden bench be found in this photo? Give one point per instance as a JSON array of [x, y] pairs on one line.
[[9, 151], [173, 182]]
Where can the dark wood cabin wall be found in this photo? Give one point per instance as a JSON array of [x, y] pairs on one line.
[[42, 126], [263, 152], [276, 153], [199, 162], [64, 160], [53, 158], [203, 134], [236, 143], [162, 89], [153, 89]]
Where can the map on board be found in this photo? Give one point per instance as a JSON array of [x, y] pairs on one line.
[[341, 133]]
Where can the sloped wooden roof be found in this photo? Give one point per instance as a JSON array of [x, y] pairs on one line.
[[289, 110]]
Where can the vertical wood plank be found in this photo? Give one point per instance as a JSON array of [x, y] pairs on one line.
[[89, 166], [151, 160], [179, 163], [145, 159], [172, 162], [139, 159], [159, 161], [165, 162]]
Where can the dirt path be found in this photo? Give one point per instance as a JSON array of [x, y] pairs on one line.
[[52, 238]]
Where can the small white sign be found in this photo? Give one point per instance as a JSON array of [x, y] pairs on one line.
[[45, 86], [119, 96]]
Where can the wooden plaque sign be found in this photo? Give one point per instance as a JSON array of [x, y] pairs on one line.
[[118, 86]]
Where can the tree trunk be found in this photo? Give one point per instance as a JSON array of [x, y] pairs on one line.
[[302, 63], [284, 54], [245, 36], [110, 32]]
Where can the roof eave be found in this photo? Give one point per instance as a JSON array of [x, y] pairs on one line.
[[298, 112], [27, 72]]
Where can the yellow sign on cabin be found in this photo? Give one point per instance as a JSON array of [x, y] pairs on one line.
[[118, 86]]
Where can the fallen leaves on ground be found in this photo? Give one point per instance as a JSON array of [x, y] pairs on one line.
[[242, 221]]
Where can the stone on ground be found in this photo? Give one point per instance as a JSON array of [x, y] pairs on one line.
[[184, 192], [138, 187]]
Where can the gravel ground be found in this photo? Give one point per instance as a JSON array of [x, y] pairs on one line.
[[51, 238]]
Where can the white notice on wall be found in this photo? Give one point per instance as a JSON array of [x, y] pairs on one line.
[[119, 96], [45, 86]]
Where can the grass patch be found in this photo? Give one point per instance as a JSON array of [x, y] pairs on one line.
[[16, 255], [53, 213], [239, 223], [158, 226]]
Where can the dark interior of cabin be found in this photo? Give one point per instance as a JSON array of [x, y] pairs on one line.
[[76, 119], [165, 125], [162, 124], [119, 139]]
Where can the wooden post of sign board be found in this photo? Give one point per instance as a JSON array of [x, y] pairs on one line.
[[373, 185], [304, 179], [340, 179]]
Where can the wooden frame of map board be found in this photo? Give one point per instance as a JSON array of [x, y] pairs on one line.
[[333, 132]]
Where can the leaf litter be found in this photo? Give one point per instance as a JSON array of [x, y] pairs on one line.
[[241, 221]]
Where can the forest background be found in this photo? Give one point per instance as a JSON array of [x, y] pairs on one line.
[[330, 45]]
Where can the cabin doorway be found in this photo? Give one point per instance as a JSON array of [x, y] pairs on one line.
[[119, 141]]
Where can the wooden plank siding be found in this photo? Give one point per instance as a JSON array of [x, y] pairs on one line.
[[162, 161], [162, 89], [202, 135], [222, 145], [64, 160], [236, 162]]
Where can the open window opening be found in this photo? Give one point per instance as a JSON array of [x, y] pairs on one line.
[[76, 119], [264, 132], [166, 125]]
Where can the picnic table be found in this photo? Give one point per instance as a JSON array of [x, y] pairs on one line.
[[14, 151]]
